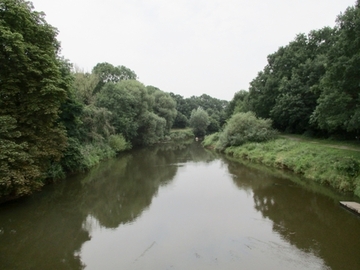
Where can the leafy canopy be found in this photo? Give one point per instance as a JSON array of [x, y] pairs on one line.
[[32, 91]]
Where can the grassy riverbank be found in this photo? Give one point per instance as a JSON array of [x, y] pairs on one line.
[[328, 163]]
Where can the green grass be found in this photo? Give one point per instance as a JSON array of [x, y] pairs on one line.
[[354, 144], [320, 162]]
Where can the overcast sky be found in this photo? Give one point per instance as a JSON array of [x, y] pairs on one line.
[[188, 47]]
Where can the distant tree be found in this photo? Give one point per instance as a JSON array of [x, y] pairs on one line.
[[181, 120], [109, 73], [164, 105], [239, 103], [127, 101], [199, 121], [85, 85], [32, 91], [152, 128], [214, 107], [132, 113]]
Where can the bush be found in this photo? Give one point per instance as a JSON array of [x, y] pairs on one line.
[[243, 128], [211, 140], [118, 143], [94, 153], [72, 159], [55, 172], [181, 134]]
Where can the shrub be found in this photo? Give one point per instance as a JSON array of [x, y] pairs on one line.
[[118, 143], [181, 134], [211, 140], [245, 127]]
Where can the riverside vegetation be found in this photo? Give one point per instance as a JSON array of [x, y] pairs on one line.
[[312, 87], [318, 161], [56, 119]]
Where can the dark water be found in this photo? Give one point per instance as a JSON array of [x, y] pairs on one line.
[[179, 207]]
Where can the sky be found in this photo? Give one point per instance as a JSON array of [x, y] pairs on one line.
[[188, 47]]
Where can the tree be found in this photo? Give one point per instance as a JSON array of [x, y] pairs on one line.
[[126, 101], [239, 103], [287, 89], [181, 120], [164, 106], [108, 73], [338, 109], [131, 107], [31, 94], [85, 85], [199, 121]]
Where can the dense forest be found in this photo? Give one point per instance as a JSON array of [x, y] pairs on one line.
[[56, 119], [312, 85]]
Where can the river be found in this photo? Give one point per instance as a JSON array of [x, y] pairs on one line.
[[179, 207]]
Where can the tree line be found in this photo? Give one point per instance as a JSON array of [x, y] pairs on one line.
[[56, 119], [312, 85]]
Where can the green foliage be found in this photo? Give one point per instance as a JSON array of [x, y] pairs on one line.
[[214, 125], [181, 134], [199, 121], [214, 107], [33, 87], [85, 85], [239, 103], [312, 85], [245, 127], [180, 121], [108, 73], [71, 109], [127, 101], [164, 106], [211, 140], [72, 159], [286, 90], [96, 124], [143, 115], [151, 129], [55, 172], [93, 153], [348, 166], [16, 170], [118, 143], [338, 110]]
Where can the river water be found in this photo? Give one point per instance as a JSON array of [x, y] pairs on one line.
[[179, 207]]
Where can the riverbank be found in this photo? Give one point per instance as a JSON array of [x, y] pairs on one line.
[[337, 167]]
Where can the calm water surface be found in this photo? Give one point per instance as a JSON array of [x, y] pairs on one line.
[[179, 207]]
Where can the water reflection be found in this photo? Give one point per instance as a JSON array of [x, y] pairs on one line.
[[47, 230], [42, 232], [178, 200], [118, 191], [309, 220]]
